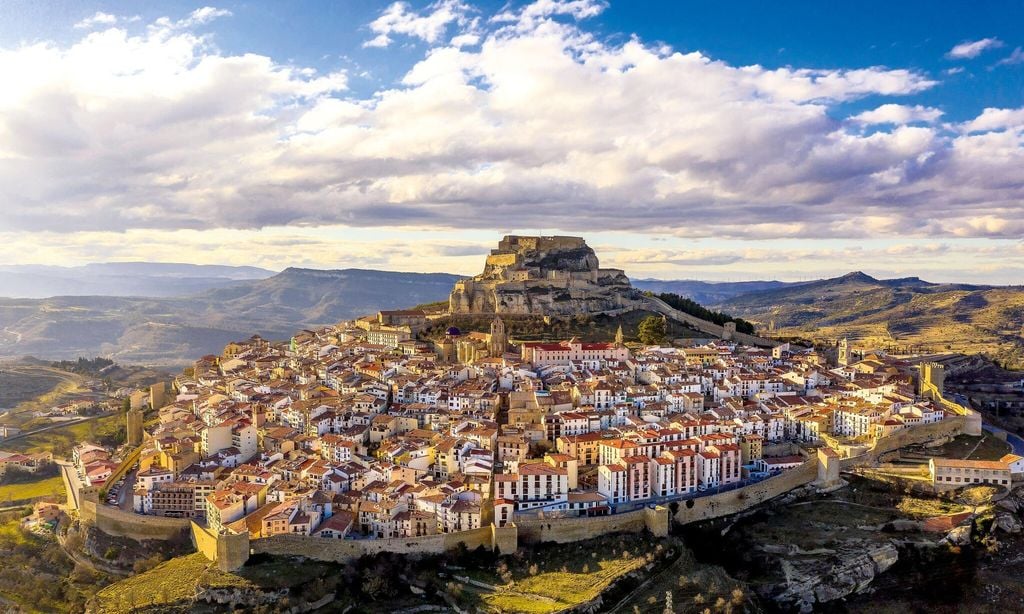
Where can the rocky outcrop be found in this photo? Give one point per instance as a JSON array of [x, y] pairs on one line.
[[959, 536], [1007, 523], [813, 581], [236, 597], [557, 276]]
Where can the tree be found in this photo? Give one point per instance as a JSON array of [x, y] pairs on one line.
[[652, 330]]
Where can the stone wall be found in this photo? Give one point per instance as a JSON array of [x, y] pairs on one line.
[[204, 541], [562, 530], [733, 501], [114, 521], [709, 328], [921, 433], [505, 539], [347, 549]]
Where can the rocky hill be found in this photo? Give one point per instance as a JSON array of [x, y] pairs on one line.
[[558, 276]]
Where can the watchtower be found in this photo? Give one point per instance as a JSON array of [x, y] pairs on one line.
[[845, 352]]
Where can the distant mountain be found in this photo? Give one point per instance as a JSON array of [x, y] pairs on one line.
[[894, 312], [169, 331], [327, 296], [708, 292], [215, 305], [150, 279]]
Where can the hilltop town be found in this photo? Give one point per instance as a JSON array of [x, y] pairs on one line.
[[366, 436]]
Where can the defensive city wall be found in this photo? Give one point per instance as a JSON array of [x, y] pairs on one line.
[[742, 499], [231, 551], [564, 530], [114, 521]]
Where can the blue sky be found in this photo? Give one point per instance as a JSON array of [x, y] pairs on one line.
[[329, 34], [685, 139]]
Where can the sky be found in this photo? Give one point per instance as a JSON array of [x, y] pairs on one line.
[[683, 140]]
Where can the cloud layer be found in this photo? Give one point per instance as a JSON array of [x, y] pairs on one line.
[[972, 49], [521, 119]]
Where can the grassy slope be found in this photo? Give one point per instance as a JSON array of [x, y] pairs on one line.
[[63, 438], [554, 590], [173, 584], [939, 316], [694, 586], [554, 577], [168, 584], [49, 487]]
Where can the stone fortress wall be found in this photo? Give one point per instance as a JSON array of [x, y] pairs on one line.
[[347, 549], [742, 499], [114, 521], [727, 332], [564, 530], [231, 551]]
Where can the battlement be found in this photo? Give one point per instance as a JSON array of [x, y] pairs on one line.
[[520, 243]]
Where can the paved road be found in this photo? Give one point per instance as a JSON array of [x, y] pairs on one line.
[[125, 497], [71, 477]]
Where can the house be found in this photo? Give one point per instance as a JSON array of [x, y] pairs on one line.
[[949, 473], [337, 526]]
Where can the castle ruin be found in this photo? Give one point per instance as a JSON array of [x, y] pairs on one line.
[[543, 276]]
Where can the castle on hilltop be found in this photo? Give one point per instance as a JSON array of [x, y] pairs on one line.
[[543, 276]]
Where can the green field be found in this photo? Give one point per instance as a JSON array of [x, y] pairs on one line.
[[48, 487], [12, 535]]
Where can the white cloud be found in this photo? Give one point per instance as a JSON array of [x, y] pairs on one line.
[[206, 15], [996, 119], [539, 122], [465, 40], [98, 19], [1017, 57], [198, 17], [531, 14], [898, 114], [429, 26], [972, 49]]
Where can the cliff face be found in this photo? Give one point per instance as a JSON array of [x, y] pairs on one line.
[[543, 276]]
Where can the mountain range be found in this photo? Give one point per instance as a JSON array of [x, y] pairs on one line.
[[894, 313], [167, 314], [169, 331], [120, 279]]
